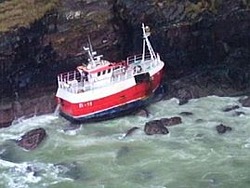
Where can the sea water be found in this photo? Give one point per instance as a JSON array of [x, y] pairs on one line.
[[192, 155]]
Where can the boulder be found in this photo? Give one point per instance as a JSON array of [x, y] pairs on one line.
[[155, 127], [171, 121], [221, 129], [32, 139], [245, 101]]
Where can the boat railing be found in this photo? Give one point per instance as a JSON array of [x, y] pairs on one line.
[[138, 58], [137, 65], [71, 81]]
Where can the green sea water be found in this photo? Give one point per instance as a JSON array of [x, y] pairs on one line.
[[192, 155]]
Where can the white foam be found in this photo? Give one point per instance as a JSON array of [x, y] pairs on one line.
[[23, 175]]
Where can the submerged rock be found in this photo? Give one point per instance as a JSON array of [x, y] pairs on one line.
[[9, 152], [221, 129], [239, 113], [123, 151], [32, 139], [199, 120], [230, 108], [129, 132], [72, 127], [186, 113]]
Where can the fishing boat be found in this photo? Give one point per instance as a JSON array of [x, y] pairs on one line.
[[100, 89]]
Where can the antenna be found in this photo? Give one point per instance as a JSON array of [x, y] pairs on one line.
[[90, 45]]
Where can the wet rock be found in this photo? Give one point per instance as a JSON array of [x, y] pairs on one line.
[[25, 108], [245, 101], [184, 95], [221, 129], [171, 121], [32, 139], [239, 113], [183, 101], [129, 132], [7, 116], [32, 170], [155, 127], [160, 93], [230, 108], [142, 112], [186, 113]]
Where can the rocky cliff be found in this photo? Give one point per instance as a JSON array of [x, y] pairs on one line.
[[205, 44]]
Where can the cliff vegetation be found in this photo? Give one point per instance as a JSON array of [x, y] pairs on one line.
[[17, 13]]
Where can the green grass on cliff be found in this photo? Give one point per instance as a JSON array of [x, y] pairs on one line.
[[16, 13]]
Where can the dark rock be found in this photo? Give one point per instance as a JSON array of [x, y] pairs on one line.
[[171, 121], [160, 93], [129, 132], [7, 116], [184, 95], [32, 106], [186, 113], [155, 127], [183, 101], [245, 101], [230, 108], [32, 139], [239, 113], [221, 129], [33, 170], [142, 112]]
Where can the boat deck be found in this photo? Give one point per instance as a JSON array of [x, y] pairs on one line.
[[74, 82]]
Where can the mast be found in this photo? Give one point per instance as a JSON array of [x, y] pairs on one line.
[[146, 34], [91, 54]]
